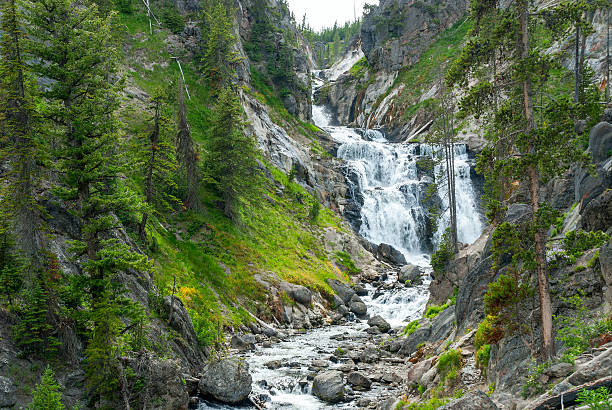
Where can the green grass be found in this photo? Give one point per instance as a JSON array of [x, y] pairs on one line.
[[435, 310], [411, 328], [359, 69]]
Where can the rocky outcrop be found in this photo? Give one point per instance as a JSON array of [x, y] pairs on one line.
[[8, 391], [473, 400], [391, 255], [329, 386], [226, 380], [396, 33], [380, 323]]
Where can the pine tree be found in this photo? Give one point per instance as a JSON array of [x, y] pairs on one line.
[[220, 55], [187, 155], [48, 393], [232, 155], [157, 160], [18, 140], [73, 46], [11, 278], [526, 143]]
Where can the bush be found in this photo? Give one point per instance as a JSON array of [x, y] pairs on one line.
[[578, 242], [435, 310], [315, 209], [47, 395], [411, 328], [489, 332], [173, 20], [444, 254], [345, 260], [482, 357], [448, 364]]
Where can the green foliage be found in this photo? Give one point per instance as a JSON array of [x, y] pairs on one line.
[[232, 156], [578, 242], [172, 19], [411, 328], [489, 332], [443, 255], [532, 384], [344, 259], [48, 393], [315, 209], [576, 331], [482, 357], [448, 364], [219, 56], [431, 404], [595, 399], [359, 69], [435, 310], [11, 268]]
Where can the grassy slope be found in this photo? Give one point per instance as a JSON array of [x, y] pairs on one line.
[[213, 260]]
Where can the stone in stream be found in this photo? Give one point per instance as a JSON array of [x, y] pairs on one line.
[[359, 381], [243, 342], [359, 308], [369, 355], [342, 290], [380, 323], [360, 290], [226, 380], [389, 254], [410, 275], [329, 386]]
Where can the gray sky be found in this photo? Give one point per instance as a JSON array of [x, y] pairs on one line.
[[323, 13]]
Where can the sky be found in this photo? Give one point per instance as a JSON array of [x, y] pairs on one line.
[[323, 13]]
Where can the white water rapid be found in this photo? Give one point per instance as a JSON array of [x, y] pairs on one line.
[[388, 180]]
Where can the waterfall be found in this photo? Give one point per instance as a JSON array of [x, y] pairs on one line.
[[396, 193]]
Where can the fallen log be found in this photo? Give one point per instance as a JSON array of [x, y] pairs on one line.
[[569, 397]]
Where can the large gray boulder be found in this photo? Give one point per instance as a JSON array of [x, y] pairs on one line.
[[298, 293], [329, 386], [243, 342], [597, 214], [227, 380], [408, 345], [342, 290], [389, 254], [357, 306], [7, 392], [600, 142], [359, 381], [410, 274], [472, 400], [380, 323]]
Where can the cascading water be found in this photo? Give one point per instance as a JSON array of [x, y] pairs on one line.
[[387, 177]]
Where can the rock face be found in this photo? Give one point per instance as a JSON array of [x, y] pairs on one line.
[[396, 33], [329, 386], [600, 142], [473, 400], [7, 393], [227, 381]]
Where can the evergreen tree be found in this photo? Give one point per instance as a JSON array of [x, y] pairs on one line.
[[527, 144], [187, 155], [11, 268], [18, 140], [72, 45], [48, 393], [157, 160], [232, 155], [220, 55]]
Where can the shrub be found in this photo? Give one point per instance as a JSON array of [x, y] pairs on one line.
[[344, 259], [47, 395], [448, 364], [489, 332], [435, 310], [173, 20], [411, 328], [482, 357], [441, 257], [315, 208], [578, 242]]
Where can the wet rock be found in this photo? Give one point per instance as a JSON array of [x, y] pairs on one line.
[[369, 355], [342, 290], [270, 332], [8, 391], [227, 380], [473, 400], [410, 274], [243, 342], [600, 142], [320, 364], [329, 386], [359, 308], [360, 290], [359, 381], [389, 254], [274, 364], [380, 323]]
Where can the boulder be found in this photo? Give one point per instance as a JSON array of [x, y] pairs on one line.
[[600, 142], [391, 255], [342, 290], [595, 369], [243, 342], [8, 396], [298, 293], [380, 323], [408, 345], [360, 290], [417, 371], [369, 355], [410, 274], [227, 380], [359, 381], [597, 214], [559, 370], [358, 308], [472, 400], [329, 386]]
